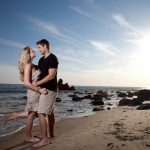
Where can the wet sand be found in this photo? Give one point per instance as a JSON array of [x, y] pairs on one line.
[[122, 128]]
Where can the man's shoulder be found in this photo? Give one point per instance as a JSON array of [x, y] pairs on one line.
[[52, 55], [41, 58]]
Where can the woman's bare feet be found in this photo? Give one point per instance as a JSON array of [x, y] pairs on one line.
[[12, 116], [43, 142], [32, 139]]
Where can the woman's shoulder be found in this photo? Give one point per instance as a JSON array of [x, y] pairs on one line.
[[28, 66]]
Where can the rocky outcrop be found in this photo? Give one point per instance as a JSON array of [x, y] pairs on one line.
[[143, 95], [77, 98], [122, 94], [128, 102], [98, 109], [65, 86], [143, 107], [97, 102]]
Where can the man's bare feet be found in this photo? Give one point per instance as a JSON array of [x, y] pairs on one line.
[[32, 139], [12, 116], [41, 143]]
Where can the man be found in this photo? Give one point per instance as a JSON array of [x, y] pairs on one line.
[[48, 65]]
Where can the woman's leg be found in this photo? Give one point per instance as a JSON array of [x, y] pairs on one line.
[[15, 115], [29, 125]]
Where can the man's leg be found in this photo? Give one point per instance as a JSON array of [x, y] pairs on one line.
[[51, 122], [43, 125]]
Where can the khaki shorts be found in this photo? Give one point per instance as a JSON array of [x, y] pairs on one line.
[[47, 102]]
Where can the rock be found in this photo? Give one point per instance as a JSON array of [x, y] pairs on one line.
[[122, 95], [65, 86], [97, 102], [124, 102], [143, 107], [71, 95], [130, 94], [135, 102], [72, 88], [128, 102], [24, 97], [109, 104], [143, 95], [97, 97], [102, 94], [77, 98], [58, 99], [108, 108], [98, 109], [88, 97], [71, 110]]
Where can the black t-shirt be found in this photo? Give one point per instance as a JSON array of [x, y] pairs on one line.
[[44, 65]]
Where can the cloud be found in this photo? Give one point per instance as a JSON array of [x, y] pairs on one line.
[[81, 12], [105, 47], [84, 13], [11, 43], [121, 21], [46, 25]]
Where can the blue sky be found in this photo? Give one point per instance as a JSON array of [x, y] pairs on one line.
[[97, 42]]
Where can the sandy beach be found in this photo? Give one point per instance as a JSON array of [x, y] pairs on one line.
[[122, 128]]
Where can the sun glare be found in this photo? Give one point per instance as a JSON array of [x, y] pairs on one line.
[[143, 54]]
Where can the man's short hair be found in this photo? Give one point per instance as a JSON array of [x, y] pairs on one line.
[[43, 42]]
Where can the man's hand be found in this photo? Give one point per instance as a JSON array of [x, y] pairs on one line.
[[43, 91]]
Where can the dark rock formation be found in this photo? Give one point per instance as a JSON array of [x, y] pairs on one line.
[[65, 86], [98, 109], [58, 99], [108, 108], [97, 102], [128, 102], [70, 110], [88, 97], [77, 98], [143, 95], [122, 94], [135, 102], [124, 102], [24, 97], [143, 107], [130, 94]]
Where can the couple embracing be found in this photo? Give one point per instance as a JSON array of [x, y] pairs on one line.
[[41, 82]]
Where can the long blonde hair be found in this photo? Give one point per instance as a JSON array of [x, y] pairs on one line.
[[23, 60]]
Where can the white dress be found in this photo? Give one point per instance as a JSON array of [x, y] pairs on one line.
[[33, 96]]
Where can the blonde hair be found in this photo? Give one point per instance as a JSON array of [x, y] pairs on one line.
[[23, 60]]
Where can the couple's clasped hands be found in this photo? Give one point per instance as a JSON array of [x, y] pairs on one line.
[[41, 90]]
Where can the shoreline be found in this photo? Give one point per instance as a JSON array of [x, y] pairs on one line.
[[78, 115], [121, 128]]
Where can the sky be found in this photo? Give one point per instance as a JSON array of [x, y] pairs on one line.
[[97, 42]]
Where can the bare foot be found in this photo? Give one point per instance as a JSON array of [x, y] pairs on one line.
[[52, 136], [12, 116], [41, 143], [32, 139]]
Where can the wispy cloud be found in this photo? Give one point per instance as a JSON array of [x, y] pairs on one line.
[[105, 47], [89, 15], [122, 21], [55, 31], [47, 26], [15, 44], [11, 43]]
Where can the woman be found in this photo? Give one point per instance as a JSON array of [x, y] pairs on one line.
[[28, 73]]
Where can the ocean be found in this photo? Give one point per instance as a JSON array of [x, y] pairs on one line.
[[12, 99]]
